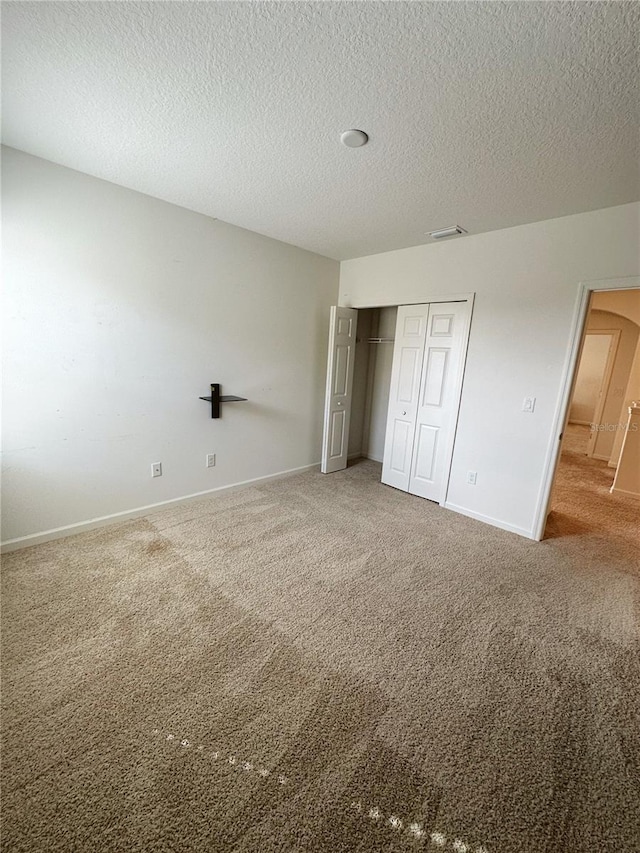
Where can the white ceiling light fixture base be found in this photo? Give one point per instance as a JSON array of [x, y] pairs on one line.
[[451, 231], [354, 138]]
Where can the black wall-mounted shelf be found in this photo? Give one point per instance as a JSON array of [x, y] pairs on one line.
[[216, 398]]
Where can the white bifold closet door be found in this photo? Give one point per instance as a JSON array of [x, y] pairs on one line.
[[337, 413], [426, 381]]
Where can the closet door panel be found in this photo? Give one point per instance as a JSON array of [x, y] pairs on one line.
[[339, 388], [436, 376], [401, 444], [437, 411], [404, 396], [426, 445]]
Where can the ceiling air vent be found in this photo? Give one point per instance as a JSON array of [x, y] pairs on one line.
[[451, 231]]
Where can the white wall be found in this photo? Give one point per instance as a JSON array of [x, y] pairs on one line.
[[120, 310], [526, 283]]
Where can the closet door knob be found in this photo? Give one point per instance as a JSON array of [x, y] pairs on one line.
[[339, 404], [404, 413]]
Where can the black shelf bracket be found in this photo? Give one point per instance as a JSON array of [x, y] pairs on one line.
[[215, 399]]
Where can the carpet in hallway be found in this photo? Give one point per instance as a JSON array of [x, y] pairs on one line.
[[581, 503]]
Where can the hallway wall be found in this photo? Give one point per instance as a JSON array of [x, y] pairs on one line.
[[610, 420]]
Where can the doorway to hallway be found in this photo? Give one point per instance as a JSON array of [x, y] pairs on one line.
[[599, 435]]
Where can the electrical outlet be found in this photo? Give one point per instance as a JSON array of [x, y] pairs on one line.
[[529, 404], [156, 469], [210, 460], [472, 477]]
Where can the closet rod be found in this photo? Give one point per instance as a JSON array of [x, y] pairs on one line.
[[380, 340]]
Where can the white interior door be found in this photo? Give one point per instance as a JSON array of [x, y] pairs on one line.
[[406, 372], [439, 398], [337, 413]]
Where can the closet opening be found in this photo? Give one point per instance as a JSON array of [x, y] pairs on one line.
[[375, 337], [394, 383]]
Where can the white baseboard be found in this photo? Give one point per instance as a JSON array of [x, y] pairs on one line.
[[600, 457], [494, 522], [362, 455], [114, 518], [625, 493], [581, 423]]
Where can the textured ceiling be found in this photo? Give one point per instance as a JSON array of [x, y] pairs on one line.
[[483, 114]]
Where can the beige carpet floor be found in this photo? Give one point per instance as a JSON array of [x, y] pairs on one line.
[[322, 664], [582, 505]]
